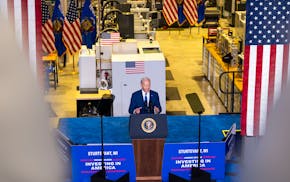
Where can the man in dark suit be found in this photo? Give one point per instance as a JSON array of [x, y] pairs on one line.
[[145, 101]]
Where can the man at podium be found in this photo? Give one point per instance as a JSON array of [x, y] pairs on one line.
[[145, 101]]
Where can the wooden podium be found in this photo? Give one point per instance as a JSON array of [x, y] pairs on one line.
[[148, 133], [148, 159]]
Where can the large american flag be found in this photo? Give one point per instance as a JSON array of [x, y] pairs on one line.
[[110, 38], [47, 29], [72, 36], [266, 61], [190, 11], [25, 18], [170, 11], [134, 67]]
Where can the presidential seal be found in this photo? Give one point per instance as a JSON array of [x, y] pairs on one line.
[[148, 125]]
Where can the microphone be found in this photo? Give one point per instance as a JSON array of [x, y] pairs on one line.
[[151, 109], [146, 107]]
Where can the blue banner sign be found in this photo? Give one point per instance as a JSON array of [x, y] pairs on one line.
[[179, 158], [87, 160]]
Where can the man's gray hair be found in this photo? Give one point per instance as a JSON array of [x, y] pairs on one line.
[[145, 79]]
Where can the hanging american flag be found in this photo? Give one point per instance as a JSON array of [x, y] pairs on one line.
[[47, 29], [266, 61], [190, 11], [134, 67], [170, 11], [72, 36], [25, 18], [110, 38]]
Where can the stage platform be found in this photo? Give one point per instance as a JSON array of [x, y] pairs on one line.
[[79, 140]]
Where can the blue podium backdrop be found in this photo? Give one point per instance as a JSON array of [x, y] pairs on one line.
[[83, 136]]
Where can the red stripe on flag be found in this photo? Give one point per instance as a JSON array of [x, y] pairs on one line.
[[24, 10], [11, 16], [10, 5], [259, 67], [38, 27], [77, 26], [190, 11], [77, 29], [245, 91], [68, 36], [170, 11], [272, 76], [285, 66], [48, 37], [72, 36]]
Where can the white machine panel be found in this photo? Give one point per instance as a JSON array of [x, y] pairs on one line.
[[87, 71], [106, 51], [125, 48]]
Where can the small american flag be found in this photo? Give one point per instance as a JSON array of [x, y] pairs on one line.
[[134, 67], [190, 11], [266, 62], [170, 11], [72, 29], [47, 30], [110, 38]]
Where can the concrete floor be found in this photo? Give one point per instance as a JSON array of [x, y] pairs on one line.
[[183, 50]]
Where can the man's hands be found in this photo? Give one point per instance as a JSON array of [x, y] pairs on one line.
[[156, 110], [137, 110]]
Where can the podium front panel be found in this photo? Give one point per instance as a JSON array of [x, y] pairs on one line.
[[146, 126]]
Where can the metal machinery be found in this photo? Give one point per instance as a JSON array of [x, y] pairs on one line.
[[120, 16], [226, 43], [145, 20], [211, 14], [211, 17], [240, 23], [230, 47], [231, 6], [103, 66]]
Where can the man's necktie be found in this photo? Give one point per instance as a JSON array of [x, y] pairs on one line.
[[146, 100]]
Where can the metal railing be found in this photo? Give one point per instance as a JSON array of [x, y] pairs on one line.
[[232, 91]]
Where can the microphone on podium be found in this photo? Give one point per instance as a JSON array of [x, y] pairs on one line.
[[195, 103]]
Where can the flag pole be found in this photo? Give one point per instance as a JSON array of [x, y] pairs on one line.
[[73, 72], [60, 70], [99, 36], [190, 36]]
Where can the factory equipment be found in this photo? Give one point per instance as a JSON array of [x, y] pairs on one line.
[[240, 28], [211, 17]]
